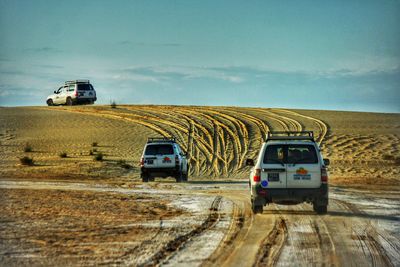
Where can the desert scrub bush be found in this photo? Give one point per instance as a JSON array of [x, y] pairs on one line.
[[113, 104], [98, 157], [63, 154], [388, 157], [26, 161], [123, 164], [28, 148], [94, 144], [91, 153]]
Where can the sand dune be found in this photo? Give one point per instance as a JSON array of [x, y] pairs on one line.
[[363, 147]]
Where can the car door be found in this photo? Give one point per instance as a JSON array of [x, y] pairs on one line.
[[159, 156], [303, 168], [273, 168], [56, 98], [165, 156]]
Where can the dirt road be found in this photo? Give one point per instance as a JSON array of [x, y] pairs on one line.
[[208, 223]]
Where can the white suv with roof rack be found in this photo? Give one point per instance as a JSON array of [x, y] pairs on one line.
[[163, 157], [73, 92], [289, 170]]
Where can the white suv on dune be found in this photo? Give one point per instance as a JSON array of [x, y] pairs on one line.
[[163, 157], [73, 92], [289, 170]]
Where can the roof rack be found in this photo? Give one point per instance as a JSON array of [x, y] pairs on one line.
[[77, 81], [290, 135], [161, 139]]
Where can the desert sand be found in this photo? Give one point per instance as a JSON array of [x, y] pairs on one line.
[[76, 210]]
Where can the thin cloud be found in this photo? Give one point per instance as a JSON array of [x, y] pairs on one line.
[[144, 44], [169, 73], [45, 49]]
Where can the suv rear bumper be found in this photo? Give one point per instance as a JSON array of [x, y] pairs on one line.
[[84, 100], [291, 195], [159, 172]]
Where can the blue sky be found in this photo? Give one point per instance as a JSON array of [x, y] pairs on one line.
[[342, 55]]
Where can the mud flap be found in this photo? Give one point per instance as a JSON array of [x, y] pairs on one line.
[[258, 201]]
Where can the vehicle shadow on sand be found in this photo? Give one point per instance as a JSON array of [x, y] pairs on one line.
[[333, 213]]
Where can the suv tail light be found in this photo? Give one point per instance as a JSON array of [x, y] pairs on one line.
[[76, 93], [324, 175], [257, 175], [176, 160], [141, 162]]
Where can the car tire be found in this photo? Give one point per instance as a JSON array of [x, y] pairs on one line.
[[179, 177], [69, 101], [185, 177], [50, 102], [256, 208], [145, 178], [320, 209]]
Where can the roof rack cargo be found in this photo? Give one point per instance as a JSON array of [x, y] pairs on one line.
[[290, 135], [161, 139], [77, 81]]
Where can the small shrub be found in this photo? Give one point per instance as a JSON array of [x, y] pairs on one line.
[[123, 164], [28, 148], [26, 161], [94, 144], [91, 152], [63, 154], [94, 150], [98, 157], [113, 104], [388, 157]]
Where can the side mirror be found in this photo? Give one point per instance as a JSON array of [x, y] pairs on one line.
[[55, 92], [249, 162], [327, 162]]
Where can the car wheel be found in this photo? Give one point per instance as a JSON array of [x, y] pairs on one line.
[[145, 178], [50, 102], [256, 208], [320, 209], [185, 177], [69, 101], [179, 177]]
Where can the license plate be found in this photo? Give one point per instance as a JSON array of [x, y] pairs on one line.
[[149, 161], [273, 177]]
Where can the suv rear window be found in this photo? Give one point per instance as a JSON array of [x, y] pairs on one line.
[[159, 150], [299, 154], [84, 87]]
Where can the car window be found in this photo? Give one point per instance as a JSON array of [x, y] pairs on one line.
[[159, 150], [71, 88], [301, 154], [274, 154], [84, 87]]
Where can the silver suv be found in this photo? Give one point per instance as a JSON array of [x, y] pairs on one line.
[[163, 157], [289, 170], [73, 92]]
